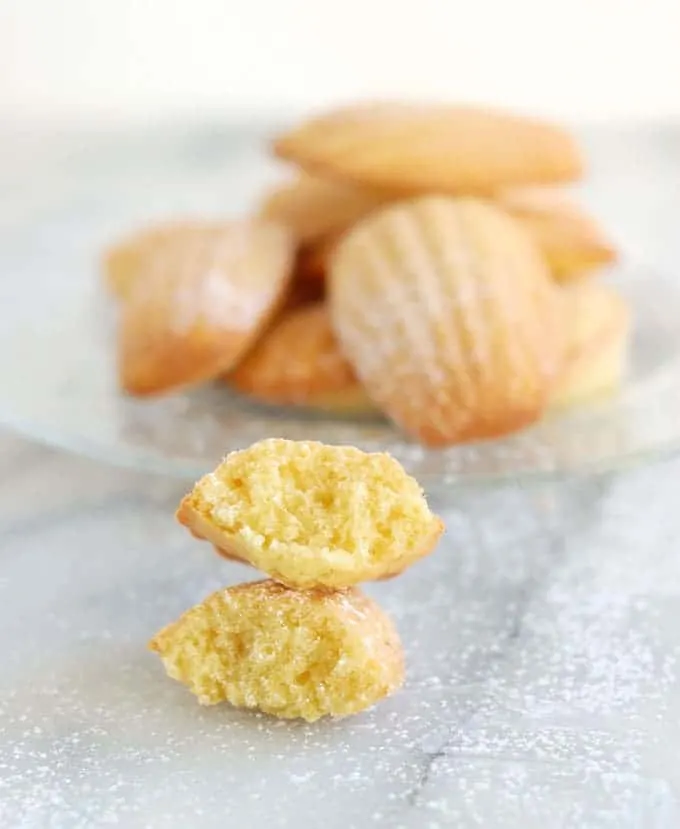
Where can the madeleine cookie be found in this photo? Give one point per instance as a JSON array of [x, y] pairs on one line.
[[311, 515], [570, 239], [411, 148], [315, 207], [207, 293], [289, 653], [448, 314], [597, 323], [299, 362], [128, 259]]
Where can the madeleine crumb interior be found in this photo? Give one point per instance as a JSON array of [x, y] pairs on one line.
[[288, 653], [312, 515]]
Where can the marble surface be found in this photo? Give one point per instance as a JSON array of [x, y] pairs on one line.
[[542, 644], [542, 639]]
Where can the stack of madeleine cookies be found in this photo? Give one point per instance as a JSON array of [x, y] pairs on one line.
[[422, 262], [318, 520]]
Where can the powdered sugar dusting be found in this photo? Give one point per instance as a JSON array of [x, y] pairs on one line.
[[226, 277], [442, 308]]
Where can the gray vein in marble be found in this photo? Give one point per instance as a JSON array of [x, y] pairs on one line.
[[454, 735]]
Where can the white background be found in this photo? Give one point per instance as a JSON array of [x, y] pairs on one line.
[[158, 59]]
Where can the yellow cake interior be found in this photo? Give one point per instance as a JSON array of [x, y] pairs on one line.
[[289, 653], [334, 500]]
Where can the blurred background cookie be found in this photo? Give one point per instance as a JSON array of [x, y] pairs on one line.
[[315, 207], [571, 240], [448, 314], [298, 362], [412, 148], [597, 324], [206, 293]]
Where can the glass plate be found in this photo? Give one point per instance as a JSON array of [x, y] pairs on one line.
[[57, 378]]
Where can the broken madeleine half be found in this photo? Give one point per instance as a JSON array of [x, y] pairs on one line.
[[289, 653], [313, 515]]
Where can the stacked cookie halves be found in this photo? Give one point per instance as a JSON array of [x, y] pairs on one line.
[[318, 520]]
